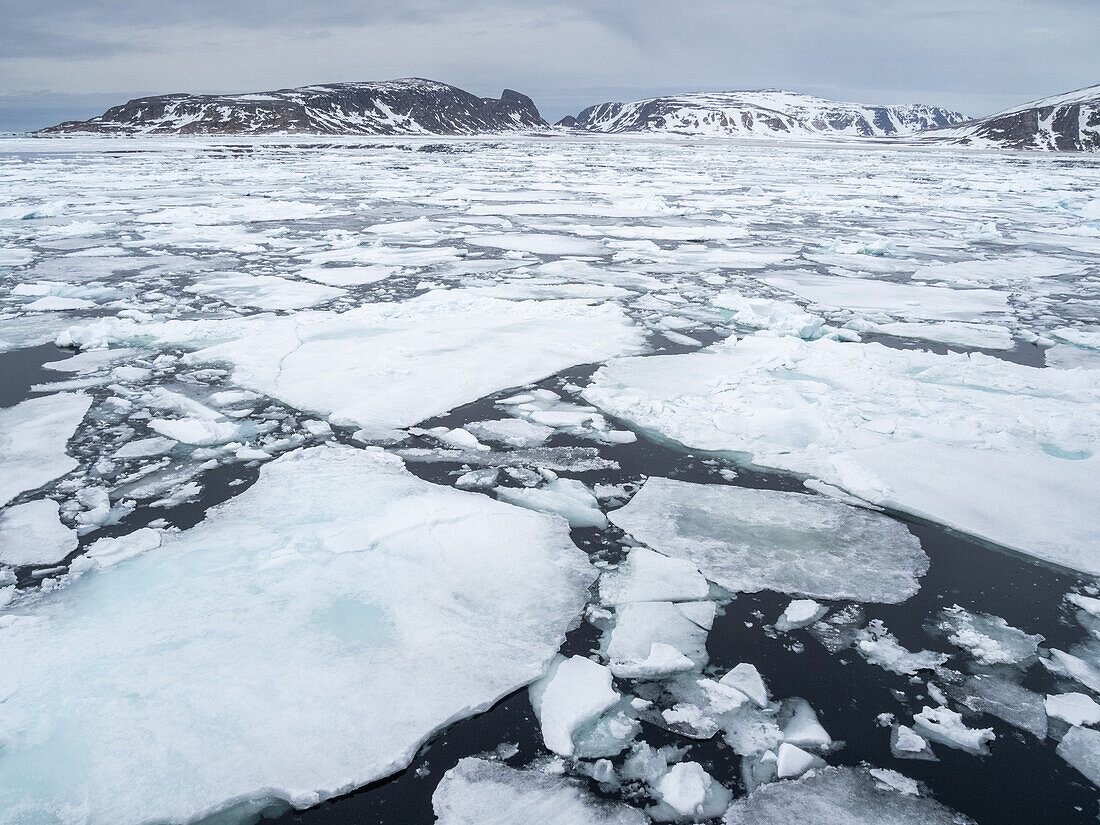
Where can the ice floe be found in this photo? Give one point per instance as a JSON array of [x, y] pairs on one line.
[[930, 435], [32, 533], [33, 435], [300, 642], [748, 540], [482, 792]]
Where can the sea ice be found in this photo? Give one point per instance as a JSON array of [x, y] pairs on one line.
[[944, 725], [792, 761], [1073, 708], [687, 792], [880, 647], [902, 300], [263, 291], [931, 435], [989, 639], [645, 576], [748, 540], [301, 641], [837, 796], [482, 792], [32, 533], [567, 497], [651, 640], [800, 613], [385, 366], [573, 691], [33, 435], [1080, 747]]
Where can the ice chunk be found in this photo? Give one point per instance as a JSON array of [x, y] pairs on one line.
[[56, 303], [263, 291], [32, 533], [747, 679], [33, 435], [145, 447], [799, 613], [386, 366], [1073, 708], [567, 497], [648, 634], [946, 726], [837, 796], [195, 431], [514, 432], [903, 300], [540, 244], [1080, 747], [989, 639], [482, 792], [981, 336], [880, 647], [1066, 664], [930, 435], [793, 761], [896, 781], [801, 726], [906, 743], [1006, 700], [747, 540], [689, 793], [302, 641], [781, 317], [1086, 603], [573, 691], [646, 576]]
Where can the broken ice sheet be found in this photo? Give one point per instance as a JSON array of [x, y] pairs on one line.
[[33, 435], [838, 796], [301, 641], [482, 792], [930, 435], [384, 366], [748, 540]]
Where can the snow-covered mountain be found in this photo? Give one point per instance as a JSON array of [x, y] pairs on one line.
[[1068, 122], [408, 106], [764, 113]]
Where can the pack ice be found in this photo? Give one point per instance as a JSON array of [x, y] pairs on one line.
[[33, 435], [300, 642], [387, 365], [991, 448], [748, 540]]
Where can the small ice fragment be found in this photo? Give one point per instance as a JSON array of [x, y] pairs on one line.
[[573, 691], [793, 761], [746, 678], [906, 743], [1080, 747], [647, 634], [195, 431], [688, 792], [32, 534], [802, 727], [647, 576], [484, 792], [895, 781], [880, 647], [799, 613], [1075, 708], [946, 726], [567, 497]]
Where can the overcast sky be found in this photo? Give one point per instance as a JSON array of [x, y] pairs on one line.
[[66, 59]]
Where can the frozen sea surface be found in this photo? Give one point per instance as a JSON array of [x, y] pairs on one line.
[[728, 375]]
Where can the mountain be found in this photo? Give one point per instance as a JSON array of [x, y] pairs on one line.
[[1069, 122], [409, 106], [764, 113]]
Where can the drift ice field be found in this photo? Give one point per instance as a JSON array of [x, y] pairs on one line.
[[572, 479]]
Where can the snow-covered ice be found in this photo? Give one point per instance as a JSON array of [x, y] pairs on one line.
[[288, 647], [838, 796], [33, 435], [573, 691], [32, 533], [481, 792], [747, 540], [930, 435]]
